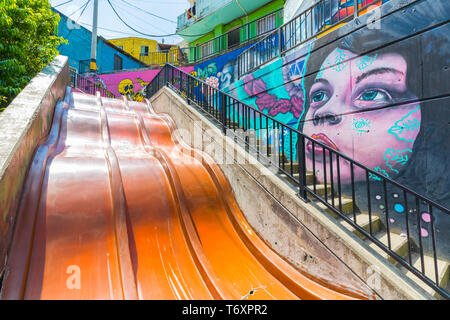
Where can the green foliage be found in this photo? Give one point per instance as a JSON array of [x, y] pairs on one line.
[[27, 43]]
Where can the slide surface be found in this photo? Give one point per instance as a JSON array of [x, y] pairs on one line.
[[116, 206]]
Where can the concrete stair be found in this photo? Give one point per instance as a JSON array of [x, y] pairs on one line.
[[399, 243], [443, 272], [289, 164], [309, 177], [363, 220]]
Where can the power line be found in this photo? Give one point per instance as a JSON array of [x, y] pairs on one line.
[[84, 8], [165, 2], [125, 10], [81, 7], [151, 35], [112, 30], [152, 14], [61, 4]]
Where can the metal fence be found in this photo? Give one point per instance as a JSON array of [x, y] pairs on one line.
[[319, 18], [319, 172], [85, 85], [244, 34]]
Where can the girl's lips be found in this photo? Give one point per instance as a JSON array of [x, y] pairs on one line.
[[322, 138]]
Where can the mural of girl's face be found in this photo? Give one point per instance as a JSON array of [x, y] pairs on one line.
[[347, 113]]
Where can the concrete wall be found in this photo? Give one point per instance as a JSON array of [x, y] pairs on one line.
[[307, 237], [24, 124]]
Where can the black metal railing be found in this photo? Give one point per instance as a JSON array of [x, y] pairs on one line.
[[320, 172], [317, 19], [85, 85]]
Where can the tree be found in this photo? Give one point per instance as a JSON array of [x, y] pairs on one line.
[[28, 42]]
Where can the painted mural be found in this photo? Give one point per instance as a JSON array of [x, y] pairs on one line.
[[131, 84], [384, 106], [220, 72]]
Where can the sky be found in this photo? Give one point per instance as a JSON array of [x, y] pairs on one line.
[[136, 13]]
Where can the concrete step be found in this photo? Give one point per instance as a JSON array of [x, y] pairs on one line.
[[295, 165], [443, 272], [347, 206], [399, 244], [362, 220], [309, 177], [320, 189]]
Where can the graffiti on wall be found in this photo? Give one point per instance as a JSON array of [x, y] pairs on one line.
[[220, 72], [365, 104], [385, 106], [131, 84]]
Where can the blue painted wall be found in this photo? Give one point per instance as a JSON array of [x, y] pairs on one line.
[[79, 47]]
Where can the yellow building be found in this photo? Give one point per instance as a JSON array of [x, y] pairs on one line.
[[147, 50], [135, 46]]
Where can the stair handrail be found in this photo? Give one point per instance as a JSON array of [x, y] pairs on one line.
[[172, 77]]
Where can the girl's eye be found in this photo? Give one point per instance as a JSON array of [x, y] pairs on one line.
[[374, 95], [319, 96]]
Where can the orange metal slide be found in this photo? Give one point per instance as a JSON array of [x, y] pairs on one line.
[[116, 206]]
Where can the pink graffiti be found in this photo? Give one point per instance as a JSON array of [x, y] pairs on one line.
[[423, 232], [138, 78], [257, 88]]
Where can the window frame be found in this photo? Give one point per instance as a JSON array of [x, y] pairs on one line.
[[266, 24], [118, 60]]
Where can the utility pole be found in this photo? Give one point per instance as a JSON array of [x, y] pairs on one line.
[[94, 38]]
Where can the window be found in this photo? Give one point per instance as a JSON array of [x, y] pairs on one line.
[[144, 50], [267, 23], [206, 49], [118, 62], [234, 37]]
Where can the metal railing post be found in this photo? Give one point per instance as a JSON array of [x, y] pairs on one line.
[[302, 168], [224, 113], [216, 103], [280, 44]]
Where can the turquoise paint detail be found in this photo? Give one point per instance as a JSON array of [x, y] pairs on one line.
[[374, 177], [210, 70], [359, 125], [321, 70], [397, 156], [405, 125], [377, 178], [340, 60], [365, 61], [399, 208]]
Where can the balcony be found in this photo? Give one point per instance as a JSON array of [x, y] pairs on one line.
[[176, 56], [209, 13]]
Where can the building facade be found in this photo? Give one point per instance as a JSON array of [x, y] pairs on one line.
[[213, 27], [78, 49], [148, 51]]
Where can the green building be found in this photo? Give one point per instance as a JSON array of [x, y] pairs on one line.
[[215, 26]]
